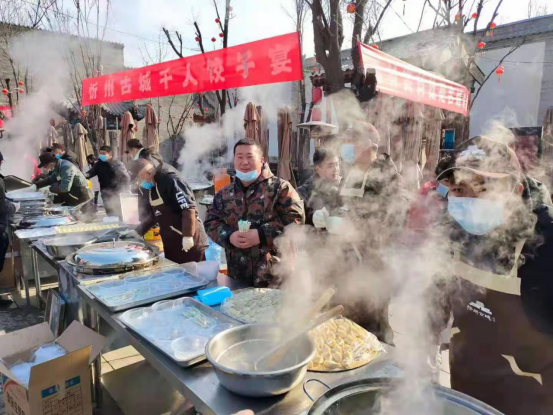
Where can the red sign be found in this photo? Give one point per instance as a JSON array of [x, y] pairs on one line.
[[267, 61], [401, 79]]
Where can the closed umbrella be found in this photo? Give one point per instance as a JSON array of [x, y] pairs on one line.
[[127, 133], [251, 122], [80, 134], [285, 142], [149, 135], [547, 137], [264, 132], [51, 136], [433, 133]]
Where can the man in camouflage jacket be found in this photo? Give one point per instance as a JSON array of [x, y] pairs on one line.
[[267, 202]]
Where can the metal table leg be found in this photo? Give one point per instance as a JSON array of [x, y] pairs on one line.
[[27, 295], [38, 288], [93, 322]]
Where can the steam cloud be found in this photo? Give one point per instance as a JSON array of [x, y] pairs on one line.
[[44, 60], [201, 141]]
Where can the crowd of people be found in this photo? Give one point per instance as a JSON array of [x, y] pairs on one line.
[[495, 218]]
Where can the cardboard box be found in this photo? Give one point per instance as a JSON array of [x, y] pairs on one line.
[[7, 276], [59, 386]]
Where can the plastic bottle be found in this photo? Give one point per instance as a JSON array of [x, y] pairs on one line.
[[221, 179]]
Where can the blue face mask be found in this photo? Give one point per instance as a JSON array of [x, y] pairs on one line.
[[146, 185], [442, 190], [103, 157], [247, 177], [476, 216], [347, 152], [58, 156]]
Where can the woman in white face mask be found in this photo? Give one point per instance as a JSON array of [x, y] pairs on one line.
[[502, 299]]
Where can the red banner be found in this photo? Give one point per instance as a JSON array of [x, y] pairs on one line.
[[401, 79], [267, 61]]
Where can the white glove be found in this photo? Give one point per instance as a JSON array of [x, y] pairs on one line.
[[17, 206], [187, 243], [319, 218]]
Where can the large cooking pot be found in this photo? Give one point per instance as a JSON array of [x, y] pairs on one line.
[[61, 246], [230, 351], [112, 257], [361, 397]]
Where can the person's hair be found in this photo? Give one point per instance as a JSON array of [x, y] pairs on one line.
[[90, 156], [106, 149], [58, 146], [321, 154], [445, 163], [247, 142], [134, 143]]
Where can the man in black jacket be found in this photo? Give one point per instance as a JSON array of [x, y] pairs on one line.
[[61, 153], [7, 209], [502, 295], [113, 177]]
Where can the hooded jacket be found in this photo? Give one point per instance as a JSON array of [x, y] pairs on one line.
[[270, 204]]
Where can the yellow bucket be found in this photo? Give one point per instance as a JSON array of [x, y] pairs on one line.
[[153, 234]]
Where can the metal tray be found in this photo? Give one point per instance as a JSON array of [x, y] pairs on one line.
[[165, 345], [196, 283], [224, 308]]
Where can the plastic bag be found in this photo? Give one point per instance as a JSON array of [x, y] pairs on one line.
[[46, 352], [22, 370], [342, 345]]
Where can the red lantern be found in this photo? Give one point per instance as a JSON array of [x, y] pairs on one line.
[[221, 35], [499, 71], [21, 91], [481, 46], [198, 39], [83, 112], [474, 15], [351, 8], [20, 83], [458, 16], [206, 109], [5, 91], [213, 39], [314, 69], [492, 27], [217, 20], [375, 47]]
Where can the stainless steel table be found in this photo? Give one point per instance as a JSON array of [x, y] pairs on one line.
[[40, 254], [23, 245], [200, 384]]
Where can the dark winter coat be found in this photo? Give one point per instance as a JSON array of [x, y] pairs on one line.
[[112, 175], [178, 199], [270, 204], [316, 194]]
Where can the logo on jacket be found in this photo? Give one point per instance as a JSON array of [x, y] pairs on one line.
[[157, 213], [181, 199], [478, 308]]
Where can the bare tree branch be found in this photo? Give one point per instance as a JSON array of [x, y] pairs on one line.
[[170, 40], [494, 69]]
